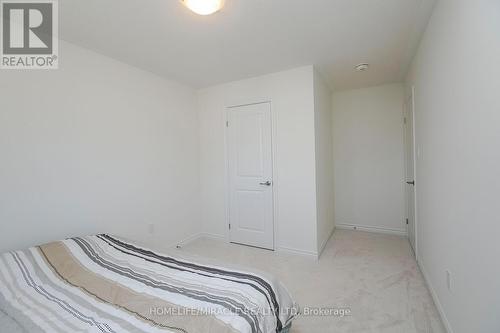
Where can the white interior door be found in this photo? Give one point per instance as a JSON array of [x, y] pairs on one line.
[[250, 164], [410, 170]]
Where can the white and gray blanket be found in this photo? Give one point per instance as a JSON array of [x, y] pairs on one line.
[[105, 284]]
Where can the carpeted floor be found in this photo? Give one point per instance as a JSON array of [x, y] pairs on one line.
[[372, 275]]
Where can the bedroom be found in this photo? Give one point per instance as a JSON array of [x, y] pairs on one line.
[[336, 152]]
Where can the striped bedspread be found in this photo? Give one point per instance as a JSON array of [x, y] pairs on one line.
[[105, 284]]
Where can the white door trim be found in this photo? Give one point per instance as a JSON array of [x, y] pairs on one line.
[[274, 168], [415, 156], [411, 98]]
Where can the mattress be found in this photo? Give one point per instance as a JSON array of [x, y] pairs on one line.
[[103, 283]]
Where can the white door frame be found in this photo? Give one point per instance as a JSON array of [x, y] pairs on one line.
[[411, 98], [227, 109]]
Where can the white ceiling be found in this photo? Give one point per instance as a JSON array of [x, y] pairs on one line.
[[252, 37]]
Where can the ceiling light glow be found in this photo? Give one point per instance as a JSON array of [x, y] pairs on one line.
[[204, 7]]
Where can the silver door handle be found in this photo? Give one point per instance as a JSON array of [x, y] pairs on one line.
[[268, 183]]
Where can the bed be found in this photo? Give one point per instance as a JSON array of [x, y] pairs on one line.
[[103, 283]]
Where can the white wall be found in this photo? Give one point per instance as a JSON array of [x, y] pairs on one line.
[[324, 160], [369, 158], [96, 146], [292, 98], [457, 81]]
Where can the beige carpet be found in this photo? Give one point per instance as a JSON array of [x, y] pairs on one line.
[[375, 276]]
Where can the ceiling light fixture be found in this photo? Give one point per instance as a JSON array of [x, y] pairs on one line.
[[362, 67], [204, 7]]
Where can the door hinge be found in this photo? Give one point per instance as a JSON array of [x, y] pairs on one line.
[[404, 120], [227, 123], [229, 226], [407, 221]]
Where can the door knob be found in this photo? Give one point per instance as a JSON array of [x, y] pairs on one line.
[[268, 183], [411, 183]]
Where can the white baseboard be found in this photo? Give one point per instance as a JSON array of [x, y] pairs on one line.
[[222, 238], [389, 231], [435, 298], [310, 254], [197, 236], [288, 250], [323, 245], [213, 236], [187, 240]]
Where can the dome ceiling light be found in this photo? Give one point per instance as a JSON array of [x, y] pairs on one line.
[[204, 7]]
